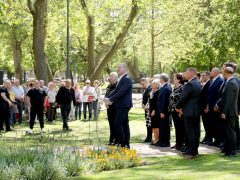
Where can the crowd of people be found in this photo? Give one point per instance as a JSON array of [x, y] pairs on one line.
[[210, 96], [34, 99]]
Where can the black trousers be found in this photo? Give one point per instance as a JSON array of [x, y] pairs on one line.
[[4, 117], [237, 133], [207, 126], [192, 128], [164, 130], [149, 128], [51, 112], [122, 126], [230, 133], [179, 128], [90, 106], [78, 110], [20, 109], [65, 111], [36, 111], [111, 113], [216, 126]]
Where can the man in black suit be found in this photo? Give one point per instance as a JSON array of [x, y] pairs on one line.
[[146, 90], [204, 107], [190, 105], [214, 94], [121, 97], [234, 66], [163, 103], [228, 106]]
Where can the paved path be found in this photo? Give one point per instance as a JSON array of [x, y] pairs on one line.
[[147, 150]]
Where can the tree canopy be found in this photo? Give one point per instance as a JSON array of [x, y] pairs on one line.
[[149, 35]]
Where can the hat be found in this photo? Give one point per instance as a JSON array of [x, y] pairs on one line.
[[87, 82]]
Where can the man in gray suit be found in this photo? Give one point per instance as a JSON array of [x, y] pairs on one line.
[[189, 107], [228, 106]]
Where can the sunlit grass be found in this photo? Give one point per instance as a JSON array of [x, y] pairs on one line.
[[84, 132]]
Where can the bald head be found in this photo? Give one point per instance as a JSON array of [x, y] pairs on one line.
[[68, 83]]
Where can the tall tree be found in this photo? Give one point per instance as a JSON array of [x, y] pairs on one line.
[[97, 68], [38, 9]]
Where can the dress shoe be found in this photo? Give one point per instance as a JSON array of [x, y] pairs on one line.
[[67, 129], [111, 144], [147, 140], [229, 154], [164, 145]]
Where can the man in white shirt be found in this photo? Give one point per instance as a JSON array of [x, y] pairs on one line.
[[19, 97]]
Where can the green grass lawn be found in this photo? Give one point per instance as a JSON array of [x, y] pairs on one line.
[[82, 133], [177, 167], [171, 167]]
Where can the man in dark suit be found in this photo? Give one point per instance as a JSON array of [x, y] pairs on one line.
[[162, 110], [146, 90], [214, 93], [234, 66], [190, 105], [122, 99], [204, 107], [228, 106]]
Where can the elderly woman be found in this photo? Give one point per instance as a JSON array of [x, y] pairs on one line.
[[78, 97], [178, 120], [51, 97], [97, 96], [155, 121]]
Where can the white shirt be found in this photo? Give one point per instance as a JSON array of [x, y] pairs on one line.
[[18, 91], [214, 79], [163, 84], [121, 77], [78, 95], [229, 79], [97, 93], [51, 96], [89, 90]]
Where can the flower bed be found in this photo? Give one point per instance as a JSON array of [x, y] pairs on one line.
[[56, 164]]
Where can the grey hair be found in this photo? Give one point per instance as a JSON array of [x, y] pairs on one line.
[[156, 81], [217, 70], [164, 77], [115, 74], [124, 66], [156, 76]]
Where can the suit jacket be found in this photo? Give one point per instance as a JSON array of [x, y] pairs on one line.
[[204, 95], [163, 99], [238, 81], [146, 95], [121, 96], [190, 99], [229, 100], [213, 93]]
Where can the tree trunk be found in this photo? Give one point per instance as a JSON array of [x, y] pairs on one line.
[[17, 55], [118, 41], [91, 45], [39, 12]]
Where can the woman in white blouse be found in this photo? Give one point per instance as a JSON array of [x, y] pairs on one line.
[[78, 97], [51, 97], [88, 97]]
